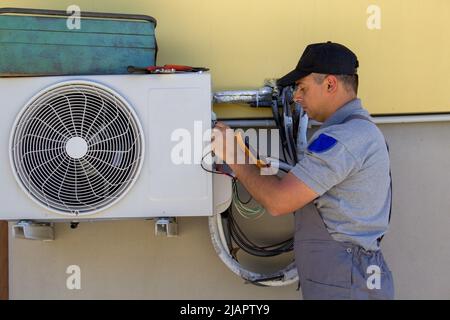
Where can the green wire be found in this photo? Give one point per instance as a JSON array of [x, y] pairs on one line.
[[245, 211]]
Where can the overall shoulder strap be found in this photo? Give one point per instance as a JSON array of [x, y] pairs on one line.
[[361, 117]]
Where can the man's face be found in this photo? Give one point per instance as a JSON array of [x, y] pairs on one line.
[[312, 96]]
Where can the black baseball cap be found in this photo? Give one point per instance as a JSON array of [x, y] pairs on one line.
[[325, 58]]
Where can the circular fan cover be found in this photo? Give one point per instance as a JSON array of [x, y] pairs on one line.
[[77, 148]]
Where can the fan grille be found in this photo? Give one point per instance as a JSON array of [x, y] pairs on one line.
[[77, 148]]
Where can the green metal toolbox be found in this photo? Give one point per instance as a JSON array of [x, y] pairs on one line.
[[36, 42]]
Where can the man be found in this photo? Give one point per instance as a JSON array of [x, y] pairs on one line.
[[342, 185]]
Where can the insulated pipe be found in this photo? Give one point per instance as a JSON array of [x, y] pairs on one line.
[[285, 276], [243, 96], [255, 123]]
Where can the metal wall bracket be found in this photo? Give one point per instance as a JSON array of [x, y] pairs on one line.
[[166, 227], [31, 230]]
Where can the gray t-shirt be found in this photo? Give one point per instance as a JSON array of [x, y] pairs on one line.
[[347, 164]]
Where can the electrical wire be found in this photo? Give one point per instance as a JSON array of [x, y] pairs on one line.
[[214, 171], [241, 206], [286, 100], [250, 247], [237, 194], [279, 125], [242, 209]]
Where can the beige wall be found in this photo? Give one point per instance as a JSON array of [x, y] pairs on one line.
[[247, 41], [123, 259], [418, 245]]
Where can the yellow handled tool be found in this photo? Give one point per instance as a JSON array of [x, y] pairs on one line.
[[249, 152]]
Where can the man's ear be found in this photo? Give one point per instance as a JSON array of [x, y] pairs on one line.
[[331, 82]]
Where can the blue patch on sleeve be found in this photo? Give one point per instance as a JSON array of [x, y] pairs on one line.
[[322, 143]]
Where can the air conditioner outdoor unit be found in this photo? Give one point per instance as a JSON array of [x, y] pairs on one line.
[[102, 147]]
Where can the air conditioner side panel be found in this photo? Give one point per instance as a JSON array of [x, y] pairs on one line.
[[167, 105]]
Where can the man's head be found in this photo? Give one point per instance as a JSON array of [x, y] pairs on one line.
[[325, 79]]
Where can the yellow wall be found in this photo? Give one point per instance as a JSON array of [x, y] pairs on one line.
[[403, 66]]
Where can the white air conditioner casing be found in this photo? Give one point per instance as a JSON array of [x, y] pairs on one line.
[[51, 140]]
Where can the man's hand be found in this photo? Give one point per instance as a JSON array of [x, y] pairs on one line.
[[230, 147]]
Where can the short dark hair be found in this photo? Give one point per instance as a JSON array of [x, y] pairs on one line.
[[350, 81]]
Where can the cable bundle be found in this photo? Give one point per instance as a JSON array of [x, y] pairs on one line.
[[238, 236], [243, 209]]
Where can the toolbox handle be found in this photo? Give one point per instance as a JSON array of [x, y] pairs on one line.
[[83, 14]]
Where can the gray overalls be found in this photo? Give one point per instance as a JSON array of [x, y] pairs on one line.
[[330, 269]]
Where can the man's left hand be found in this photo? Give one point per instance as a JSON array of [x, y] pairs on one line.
[[223, 143]]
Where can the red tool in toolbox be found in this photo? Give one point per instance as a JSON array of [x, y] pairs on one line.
[[167, 68]]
